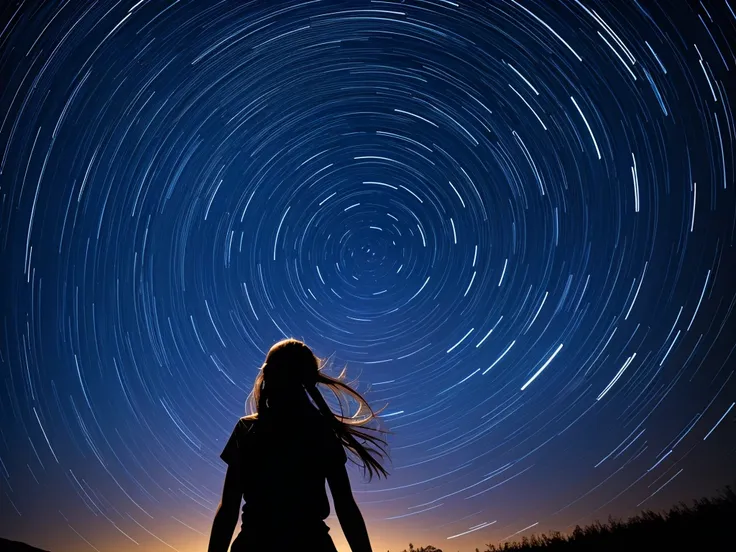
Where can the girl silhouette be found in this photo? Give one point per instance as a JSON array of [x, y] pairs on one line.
[[280, 455]]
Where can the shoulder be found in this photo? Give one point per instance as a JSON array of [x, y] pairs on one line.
[[239, 441], [246, 424], [243, 427], [250, 419]]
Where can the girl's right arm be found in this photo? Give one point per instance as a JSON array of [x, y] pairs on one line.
[[347, 511]]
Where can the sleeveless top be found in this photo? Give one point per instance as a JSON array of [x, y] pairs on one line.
[[283, 469]]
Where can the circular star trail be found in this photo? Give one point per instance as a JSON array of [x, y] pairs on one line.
[[514, 222]]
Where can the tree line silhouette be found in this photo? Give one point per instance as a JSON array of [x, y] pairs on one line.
[[708, 525]]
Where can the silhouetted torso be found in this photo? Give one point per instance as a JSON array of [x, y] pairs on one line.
[[283, 468]]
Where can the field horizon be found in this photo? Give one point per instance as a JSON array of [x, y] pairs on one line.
[[703, 524]]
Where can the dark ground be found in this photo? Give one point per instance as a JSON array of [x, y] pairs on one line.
[[15, 546]]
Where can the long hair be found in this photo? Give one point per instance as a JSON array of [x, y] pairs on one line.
[[292, 367]]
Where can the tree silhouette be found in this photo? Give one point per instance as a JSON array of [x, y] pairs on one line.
[[707, 525]]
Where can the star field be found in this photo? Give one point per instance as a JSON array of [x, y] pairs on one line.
[[513, 221]]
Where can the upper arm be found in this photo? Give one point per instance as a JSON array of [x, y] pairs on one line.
[[232, 491], [232, 455], [342, 494], [336, 473]]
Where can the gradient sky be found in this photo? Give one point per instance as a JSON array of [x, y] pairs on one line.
[[513, 221]]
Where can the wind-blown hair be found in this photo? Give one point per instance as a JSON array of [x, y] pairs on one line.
[[291, 366]]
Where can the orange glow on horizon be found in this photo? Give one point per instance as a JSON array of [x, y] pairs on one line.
[[175, 536]]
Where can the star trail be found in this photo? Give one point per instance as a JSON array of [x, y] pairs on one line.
[[513, 221]]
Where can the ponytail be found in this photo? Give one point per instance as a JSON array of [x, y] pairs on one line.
[[350, 429]]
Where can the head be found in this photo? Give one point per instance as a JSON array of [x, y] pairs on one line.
[[281, 386], [289, 378]]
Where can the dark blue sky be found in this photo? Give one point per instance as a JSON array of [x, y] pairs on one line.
[[513, 221]]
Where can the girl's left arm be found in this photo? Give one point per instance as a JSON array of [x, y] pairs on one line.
[[228, 510]]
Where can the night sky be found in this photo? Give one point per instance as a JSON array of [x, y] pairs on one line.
[[514, 222]]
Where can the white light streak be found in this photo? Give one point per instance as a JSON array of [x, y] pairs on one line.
[[550, 359]]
